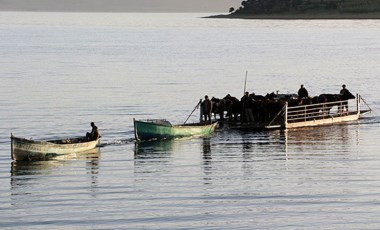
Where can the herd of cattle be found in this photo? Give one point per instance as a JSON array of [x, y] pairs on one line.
[[265, 108]]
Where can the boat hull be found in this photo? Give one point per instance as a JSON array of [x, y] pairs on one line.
[[25, 150], [307, 122], [145, 130], [326, 121]]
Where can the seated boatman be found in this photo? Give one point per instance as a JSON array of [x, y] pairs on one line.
[[94, 135]]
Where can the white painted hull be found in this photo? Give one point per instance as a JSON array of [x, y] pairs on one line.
[[23, 149], [326, 121]]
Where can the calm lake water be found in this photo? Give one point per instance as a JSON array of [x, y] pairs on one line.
[[60, 71]]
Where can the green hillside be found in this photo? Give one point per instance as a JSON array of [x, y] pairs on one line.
[[308, 8]]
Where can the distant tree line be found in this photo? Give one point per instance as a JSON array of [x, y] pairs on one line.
[[300, 6]]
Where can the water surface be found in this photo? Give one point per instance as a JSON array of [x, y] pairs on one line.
[[60, 71]]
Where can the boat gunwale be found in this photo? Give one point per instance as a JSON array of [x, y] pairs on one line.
[[51, 142], [190, 126], [199, 124]]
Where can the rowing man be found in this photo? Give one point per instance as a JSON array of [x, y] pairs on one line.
[[94, 135]]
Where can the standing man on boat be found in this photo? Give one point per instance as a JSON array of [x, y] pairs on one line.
[[302, 93], [248, 104], [206, 107], [94, 135], [345, 95]]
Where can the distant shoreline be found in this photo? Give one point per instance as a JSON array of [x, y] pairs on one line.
[[327, 16]]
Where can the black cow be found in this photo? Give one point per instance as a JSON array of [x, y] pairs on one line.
[[331, 100], [233, 107], [218, 107]]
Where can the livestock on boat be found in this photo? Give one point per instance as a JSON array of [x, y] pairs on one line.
[[163, 129], [289, 111], [23, 149]]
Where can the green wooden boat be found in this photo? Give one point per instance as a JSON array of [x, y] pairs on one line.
[[163, 129]]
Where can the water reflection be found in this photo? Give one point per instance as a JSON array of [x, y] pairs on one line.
[[206, 147], [247, 144], [26, 175], [147, 148], [92, 170], [207, 160], [279, 144], [335, 141], [321, 136], [152, 153], [265, 141]]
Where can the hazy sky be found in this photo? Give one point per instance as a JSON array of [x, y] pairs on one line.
[[121, 5]]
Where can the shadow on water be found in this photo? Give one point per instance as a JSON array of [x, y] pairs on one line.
[[25, 174]]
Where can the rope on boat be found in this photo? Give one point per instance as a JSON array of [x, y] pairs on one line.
[[278, 114], [361, 98], [196, 107]]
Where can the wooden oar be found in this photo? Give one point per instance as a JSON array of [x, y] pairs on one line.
[[245, 82], [196, 107]]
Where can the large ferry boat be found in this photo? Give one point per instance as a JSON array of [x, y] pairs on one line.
[[283, 113]]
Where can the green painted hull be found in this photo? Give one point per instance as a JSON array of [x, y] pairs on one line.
[[148, 130]]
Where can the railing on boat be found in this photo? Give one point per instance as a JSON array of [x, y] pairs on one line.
[[322, 111], [319, 111], [314, 114]]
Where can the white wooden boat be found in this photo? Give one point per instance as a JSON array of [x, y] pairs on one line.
[[25, 149]]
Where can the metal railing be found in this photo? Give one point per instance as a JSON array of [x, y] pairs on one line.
[[320, 111]]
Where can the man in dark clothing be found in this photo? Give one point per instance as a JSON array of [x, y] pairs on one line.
[[248, 104], [345, 95], [94, 135], [302, 92], [206, 107]]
